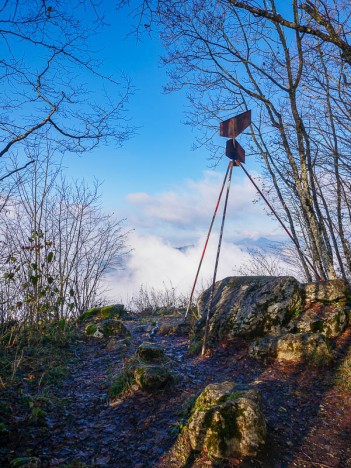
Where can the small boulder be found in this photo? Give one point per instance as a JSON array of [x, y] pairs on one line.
[[107, 328], [227, 421], [150, 352], [114, 311], [117, 345], [152, 377], [178, 329], [309, 347]]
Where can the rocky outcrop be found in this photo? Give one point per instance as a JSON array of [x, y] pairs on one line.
[[250, 306], [227, 421], [332, 291], [271, 306], [310, 347]]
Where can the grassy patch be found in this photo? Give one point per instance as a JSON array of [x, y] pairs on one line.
[[343, 376], [38, 355], [121, 384]]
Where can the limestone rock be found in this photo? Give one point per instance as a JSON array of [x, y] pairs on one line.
[[250, 306], [327, 292], [107, 328], [328, 319], [310, 347], [152, 377], [227, 421]]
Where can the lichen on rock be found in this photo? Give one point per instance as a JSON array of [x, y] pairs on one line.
[[309, 347], [250, 306], [227, 421]]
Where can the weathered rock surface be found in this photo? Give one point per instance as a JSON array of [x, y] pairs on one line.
[[227, 421], [107, 328], [271, 306], [311, 347], [327, 292], [328, 319], [178, 329], [250, 306], [152, 377], [118, 344]]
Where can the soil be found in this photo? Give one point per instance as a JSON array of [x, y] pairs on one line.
[[308, 416]]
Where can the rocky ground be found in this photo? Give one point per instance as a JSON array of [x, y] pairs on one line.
[[308, 412]]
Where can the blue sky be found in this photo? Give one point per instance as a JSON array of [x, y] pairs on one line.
[[160, 151], [165, 190]]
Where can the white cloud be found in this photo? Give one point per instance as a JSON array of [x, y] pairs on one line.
[[184, 213], [154, 263], [181, 217]]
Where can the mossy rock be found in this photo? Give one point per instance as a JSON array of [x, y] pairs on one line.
[[114, 311], [328, 319], [152, 377], [150, 352], [107, 328], [227, 421]]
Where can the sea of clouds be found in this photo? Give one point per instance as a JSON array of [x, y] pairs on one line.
[[170, 229]]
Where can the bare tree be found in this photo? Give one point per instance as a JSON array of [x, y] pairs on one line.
[[293, 71], [57, 245], [51, 79]]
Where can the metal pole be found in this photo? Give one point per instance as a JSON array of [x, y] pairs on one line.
[[281, 222], [209, 308], [207, 239]]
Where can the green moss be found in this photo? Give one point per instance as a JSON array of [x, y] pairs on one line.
[[116, 311], [195, 348], [90, 329], [89, 314], [121, 384], [222, 428], [152, 377]]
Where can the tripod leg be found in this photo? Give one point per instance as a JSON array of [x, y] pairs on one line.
[[207, 239], [209, 308]]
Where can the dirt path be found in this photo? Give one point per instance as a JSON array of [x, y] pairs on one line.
[[309, 420]]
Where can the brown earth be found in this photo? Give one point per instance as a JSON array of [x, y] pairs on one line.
[[308, 415]]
